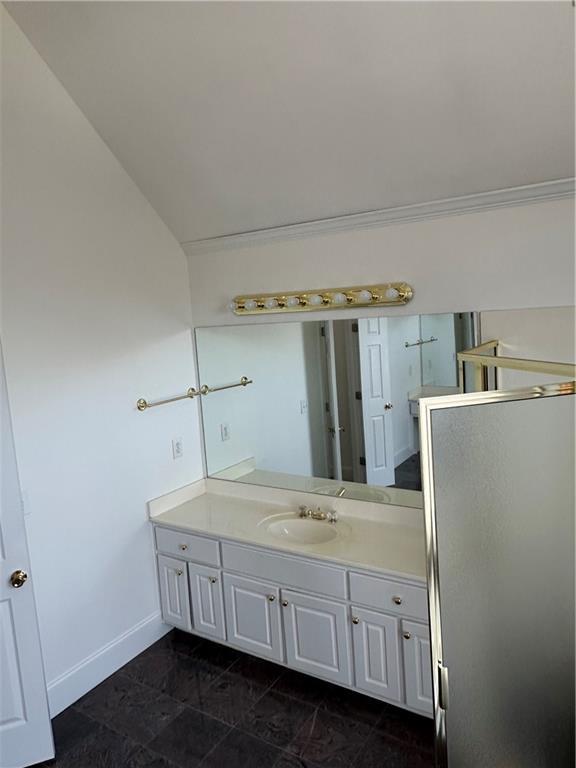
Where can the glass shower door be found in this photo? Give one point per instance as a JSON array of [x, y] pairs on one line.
[[498, 473]]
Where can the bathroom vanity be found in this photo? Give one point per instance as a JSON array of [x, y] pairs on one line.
[[345, 601]]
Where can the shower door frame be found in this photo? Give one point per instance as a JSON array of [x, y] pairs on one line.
[[427, 406]]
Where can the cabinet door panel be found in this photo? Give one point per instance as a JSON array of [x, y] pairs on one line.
[[376, 654], [316, 634], [174, 595], [417, 666], [207, 603], [253, 616]]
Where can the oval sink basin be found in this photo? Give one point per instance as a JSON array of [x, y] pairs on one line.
[[302, 531]]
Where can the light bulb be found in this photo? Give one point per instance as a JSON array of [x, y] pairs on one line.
[[315, 299], [271, 303], [391, 293], [339, 298], [364, 296], [250, 304], [233, 306], [292, 301]]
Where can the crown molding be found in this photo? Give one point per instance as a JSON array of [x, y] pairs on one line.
[[451, 206]]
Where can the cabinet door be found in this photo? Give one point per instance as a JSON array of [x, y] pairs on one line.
[[207, 603], [376, 653], [417, 666], [253, 616], [316, 634], [174, 594]]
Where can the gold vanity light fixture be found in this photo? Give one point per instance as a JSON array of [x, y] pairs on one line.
[[383, 295]]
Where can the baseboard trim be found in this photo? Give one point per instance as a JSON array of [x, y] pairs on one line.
[[402, 455], [78, 680]]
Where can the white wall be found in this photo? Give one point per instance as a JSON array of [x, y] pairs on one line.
[[514, 257], [95, 313], [439, 357], [265, 419]]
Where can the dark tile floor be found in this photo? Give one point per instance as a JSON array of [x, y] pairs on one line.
[[186, 702], [407, 475]]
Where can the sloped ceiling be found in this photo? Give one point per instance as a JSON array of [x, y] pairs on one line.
[[238, 116]]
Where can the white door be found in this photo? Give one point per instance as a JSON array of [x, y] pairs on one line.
[[417, 666], [376, 400], [333, 426], [25, 730], [316, 632], [376, 653], [207, 602], [253, 616], [174, 594]]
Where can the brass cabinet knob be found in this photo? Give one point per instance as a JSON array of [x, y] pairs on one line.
[[285, 603], [183, 547], [212, 579], [355, 620], [18, 579], [271, 598], [397, 600], [179, 572], [406, 635]]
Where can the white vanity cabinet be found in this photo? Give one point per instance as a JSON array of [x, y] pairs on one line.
[[207, 602], [417, 665], [174, 594], [317, 636], [354, 627], [253, 616], [377, 658]]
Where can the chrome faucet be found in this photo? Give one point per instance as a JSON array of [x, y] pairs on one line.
[[318, 514]]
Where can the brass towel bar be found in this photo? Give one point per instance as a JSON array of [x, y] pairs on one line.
[[244, 381], [143, 404], [420, 342]]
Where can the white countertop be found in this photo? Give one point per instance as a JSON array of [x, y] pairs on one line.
[[389, 547]]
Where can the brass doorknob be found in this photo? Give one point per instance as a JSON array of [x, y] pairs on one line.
[[18, 579], [388, 407]]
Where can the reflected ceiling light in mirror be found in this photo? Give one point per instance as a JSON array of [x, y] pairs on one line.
[[386, 294]]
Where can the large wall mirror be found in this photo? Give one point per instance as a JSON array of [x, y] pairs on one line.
[[332, 405]]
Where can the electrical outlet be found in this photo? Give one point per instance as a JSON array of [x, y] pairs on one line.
[[224, 432], [177, 448]]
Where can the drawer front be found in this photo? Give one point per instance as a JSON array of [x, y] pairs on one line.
[[288, 571], [389, 596], [187, 546]]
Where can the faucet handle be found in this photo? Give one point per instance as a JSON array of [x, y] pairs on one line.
[[303, 510], [332, 516]]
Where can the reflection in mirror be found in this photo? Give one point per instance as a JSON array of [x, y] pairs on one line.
[[333, 405]]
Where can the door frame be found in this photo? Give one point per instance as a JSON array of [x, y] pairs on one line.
[[427, 406]]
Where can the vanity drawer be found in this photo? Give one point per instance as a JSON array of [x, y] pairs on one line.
[[187, 546], [285, 570], [389, 596]]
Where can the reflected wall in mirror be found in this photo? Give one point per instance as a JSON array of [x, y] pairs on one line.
[[333, 405]]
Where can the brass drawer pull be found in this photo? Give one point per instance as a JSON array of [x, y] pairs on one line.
[[271, 598], [406, 635], [397, 600], [179, 572], [212, 579], [183, 547], [355, 620], [285, 603]]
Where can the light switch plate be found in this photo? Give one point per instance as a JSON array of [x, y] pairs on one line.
[[177, 448]]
